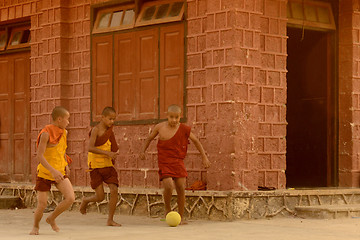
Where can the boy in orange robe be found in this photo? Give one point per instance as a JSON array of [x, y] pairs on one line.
[[172, 148], [103, 149], [53, 168]]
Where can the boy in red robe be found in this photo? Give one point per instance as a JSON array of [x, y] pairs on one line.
[[172, 148], [103, 149], [53, 168]]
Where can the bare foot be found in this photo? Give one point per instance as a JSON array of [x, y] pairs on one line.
[[83, 207], [53, 225], [34, 231], [113, 223]]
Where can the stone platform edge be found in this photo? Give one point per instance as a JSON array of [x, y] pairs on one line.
[[213, 205]]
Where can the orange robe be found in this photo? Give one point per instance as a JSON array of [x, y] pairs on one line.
[[171, 153], [55, 155], [55, 134]]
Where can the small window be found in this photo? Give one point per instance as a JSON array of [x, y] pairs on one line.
[[20, 37], [3, 40], [310, 15], [154, 13], [115, 18]]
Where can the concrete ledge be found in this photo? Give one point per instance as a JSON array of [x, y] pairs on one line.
[[329, 211], [10, 202], [214, 205]]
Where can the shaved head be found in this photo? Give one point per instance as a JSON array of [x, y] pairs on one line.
[[174, 108], [107, 111], [59, 111]]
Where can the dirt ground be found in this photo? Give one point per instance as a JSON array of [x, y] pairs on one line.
[[16, 225]]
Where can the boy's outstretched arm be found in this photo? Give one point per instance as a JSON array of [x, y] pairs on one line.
[[199, 147], [44, 138], [148, 140], [93, 149]]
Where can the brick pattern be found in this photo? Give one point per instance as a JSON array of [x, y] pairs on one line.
[[11, 10], [272, 93], [349, 93], [197, 88], [247, 63]]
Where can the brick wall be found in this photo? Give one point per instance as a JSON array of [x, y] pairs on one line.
[[349, 93]]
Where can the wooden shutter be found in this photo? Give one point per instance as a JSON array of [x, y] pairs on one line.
[[21, 151], [147, 82], [101, 75], [14, 117], [125, 76], [5, 114], [171, 67]]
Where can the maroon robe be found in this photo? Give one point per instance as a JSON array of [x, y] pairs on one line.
[[171, 153]]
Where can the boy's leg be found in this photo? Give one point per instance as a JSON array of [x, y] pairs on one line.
[[41, 205], [98, 197], [66, 189], [168, 185], [180, 190], [112, 205]]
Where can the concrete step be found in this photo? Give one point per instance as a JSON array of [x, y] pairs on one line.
[[329, 211], [10, 202]]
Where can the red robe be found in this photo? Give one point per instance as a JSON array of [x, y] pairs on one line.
[[171, 153], [108, 135]]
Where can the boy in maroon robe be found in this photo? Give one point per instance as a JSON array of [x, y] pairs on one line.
[[172, 148]]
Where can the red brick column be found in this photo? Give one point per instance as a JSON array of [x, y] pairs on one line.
[[349, 93], [237, 90]]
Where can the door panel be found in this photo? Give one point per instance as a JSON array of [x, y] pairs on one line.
[[171, 67], [147, 83], [125, 75], [101, 75]]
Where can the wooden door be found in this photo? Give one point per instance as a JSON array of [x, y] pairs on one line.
[[14, 117], [308, 115]]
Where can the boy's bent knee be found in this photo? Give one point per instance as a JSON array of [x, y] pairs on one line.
[[113, 188], [70, 199], [100, 198], [42, 204]]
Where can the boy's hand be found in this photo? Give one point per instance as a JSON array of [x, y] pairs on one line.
[[113, 155], [57, 176], [67, 170], [142, 156], [205, 161]]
